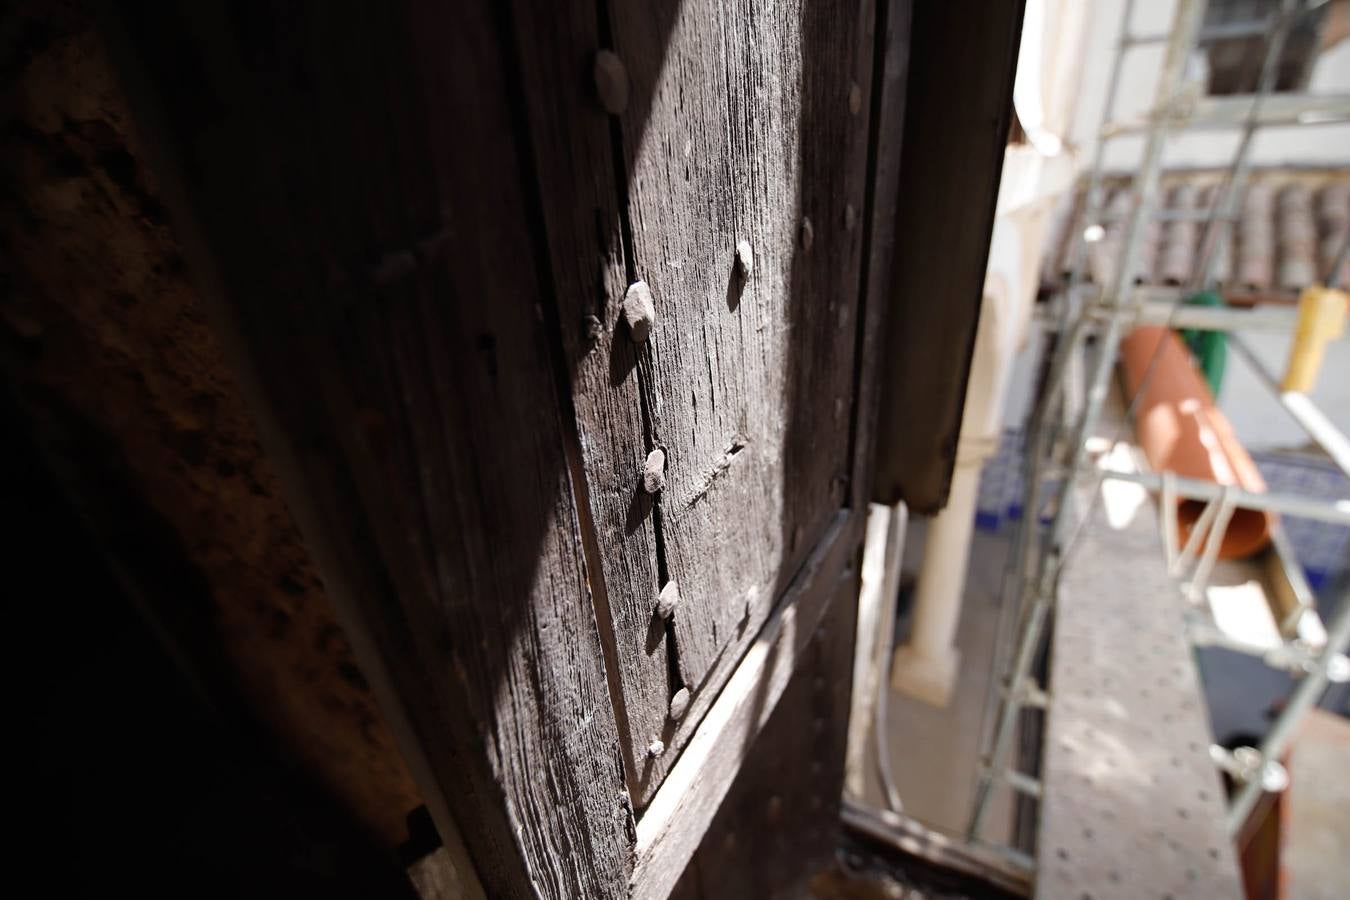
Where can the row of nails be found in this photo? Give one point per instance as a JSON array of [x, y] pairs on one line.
[[639, 313]]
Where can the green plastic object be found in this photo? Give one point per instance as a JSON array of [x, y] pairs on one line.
[[1210, 348]]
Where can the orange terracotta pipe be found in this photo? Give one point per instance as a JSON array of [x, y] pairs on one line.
[[1180, 429]]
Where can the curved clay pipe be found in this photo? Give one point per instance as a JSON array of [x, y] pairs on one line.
[[1180, 429]]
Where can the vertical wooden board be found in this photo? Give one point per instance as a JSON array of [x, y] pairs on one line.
[[580, 191], [744, 121], [890, 78], [778, 827], [958, 110], [378, 276]]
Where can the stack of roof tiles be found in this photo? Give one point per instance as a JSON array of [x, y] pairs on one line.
[[1287, 234]]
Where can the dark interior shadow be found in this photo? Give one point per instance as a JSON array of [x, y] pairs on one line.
[[623, 356]]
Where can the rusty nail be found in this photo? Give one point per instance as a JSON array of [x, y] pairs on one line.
[[656, 748], [679, 704], [654, 471], [850, 216], [668, 599], [745, 260], [639, 311], [808, 234], [611, 82], [854, 98]]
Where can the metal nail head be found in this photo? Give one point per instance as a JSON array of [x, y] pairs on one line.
[[668, 599], [654, 472], [639, 311], [679, 704], [745, 260]]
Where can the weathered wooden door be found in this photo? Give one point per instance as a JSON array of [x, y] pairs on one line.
[[582, 548]]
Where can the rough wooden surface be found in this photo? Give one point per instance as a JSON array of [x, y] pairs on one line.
[[107, 350], [744, 121], [778, 828], [353, 188], [581, 195], [675, 823], [891, 78], [418, 227], [961, 70]]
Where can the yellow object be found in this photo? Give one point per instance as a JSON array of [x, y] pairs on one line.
[[1321, 318]]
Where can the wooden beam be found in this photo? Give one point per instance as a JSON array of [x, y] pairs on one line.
[[958, 111], [886, 145]]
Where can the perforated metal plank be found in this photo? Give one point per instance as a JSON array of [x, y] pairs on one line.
[[1133, 806]]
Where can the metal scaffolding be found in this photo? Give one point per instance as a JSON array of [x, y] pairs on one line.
[[1062, 482], [1058, 470]]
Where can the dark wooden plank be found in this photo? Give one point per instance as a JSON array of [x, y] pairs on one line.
[[352, 189], [890, 78], [957, 114], [671, 829], [580, 191], [744, 122], [778, 827]]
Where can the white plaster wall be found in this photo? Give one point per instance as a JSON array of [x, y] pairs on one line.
[[1261, 423], [1325, 145]]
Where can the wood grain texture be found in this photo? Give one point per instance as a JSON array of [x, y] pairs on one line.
[[351, 185], [743, 121], [960, 78], [580, 193], [890, 78], [779, 825], [673, 826]]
